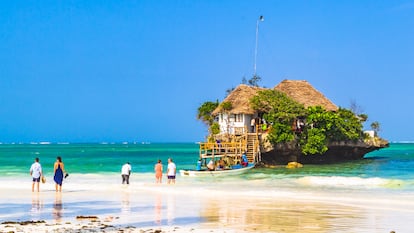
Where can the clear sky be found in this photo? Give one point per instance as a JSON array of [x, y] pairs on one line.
[[94, 71]]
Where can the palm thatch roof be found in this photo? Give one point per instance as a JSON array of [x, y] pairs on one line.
[[240, 100], [300, 91], [304, 93]]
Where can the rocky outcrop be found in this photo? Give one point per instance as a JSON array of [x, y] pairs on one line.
[[283, 153]]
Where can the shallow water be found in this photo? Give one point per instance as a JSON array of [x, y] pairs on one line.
[[371, 195]]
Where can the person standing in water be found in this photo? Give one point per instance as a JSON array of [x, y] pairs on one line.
[[36, 173], [58, 170], [158, 172], [171, 171], [125, 173]]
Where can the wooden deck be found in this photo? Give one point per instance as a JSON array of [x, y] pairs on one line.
[[249, 144]]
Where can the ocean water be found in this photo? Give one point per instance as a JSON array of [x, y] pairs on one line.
[[15, 159], [375, 194], [387, 169]]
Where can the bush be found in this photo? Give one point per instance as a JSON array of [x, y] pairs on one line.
[[215, 128], [321, 126]]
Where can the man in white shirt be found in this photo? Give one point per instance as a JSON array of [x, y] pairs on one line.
[[171, 171], [36, 173], [126, 172]]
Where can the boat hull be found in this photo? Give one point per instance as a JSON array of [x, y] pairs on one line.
[[195, 173]]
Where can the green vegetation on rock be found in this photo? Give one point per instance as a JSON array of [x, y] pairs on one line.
[[320, 126], [280, 111], [204, 113], [205, 110]]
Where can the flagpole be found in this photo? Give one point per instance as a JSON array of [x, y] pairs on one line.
[[261, 18]]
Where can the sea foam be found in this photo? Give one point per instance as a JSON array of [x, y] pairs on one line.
[[341, 181]]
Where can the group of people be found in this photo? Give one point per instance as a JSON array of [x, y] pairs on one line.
[[258, 124], [59, 173], [171, 172], [37, 174], [221, 165]]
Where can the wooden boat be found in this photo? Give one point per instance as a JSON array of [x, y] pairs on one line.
[[234, 170], [224, 158]]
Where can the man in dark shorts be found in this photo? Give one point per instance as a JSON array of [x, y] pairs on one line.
[[125, 173], [36, 173], [171, 171]]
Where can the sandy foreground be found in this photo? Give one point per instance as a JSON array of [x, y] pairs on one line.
[[182, 208], [119, 208], [92, 224]]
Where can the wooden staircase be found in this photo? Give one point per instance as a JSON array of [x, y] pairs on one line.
[[252, 150]]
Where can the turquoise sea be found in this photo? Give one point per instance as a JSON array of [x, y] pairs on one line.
[[387, 169], [374, 194], [93, 158]]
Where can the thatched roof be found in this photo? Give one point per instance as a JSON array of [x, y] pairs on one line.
[[304, 93], [240, 100], [300, 91]]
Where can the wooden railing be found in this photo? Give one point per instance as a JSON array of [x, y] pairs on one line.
[[211, 149], [240, 130], [256, 151]]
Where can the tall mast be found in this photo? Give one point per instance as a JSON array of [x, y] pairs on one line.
[[260, 19]]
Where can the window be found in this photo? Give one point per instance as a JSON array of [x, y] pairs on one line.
[[239, 117]]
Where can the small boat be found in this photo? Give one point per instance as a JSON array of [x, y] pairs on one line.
[[221, 159], [234, 170]]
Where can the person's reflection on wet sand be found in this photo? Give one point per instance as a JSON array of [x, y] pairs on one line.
[[170, 209], [37, 205], [157, 208], [125, 205], [57, 207]]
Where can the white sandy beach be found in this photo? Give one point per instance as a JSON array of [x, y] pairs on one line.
[[185, 207]]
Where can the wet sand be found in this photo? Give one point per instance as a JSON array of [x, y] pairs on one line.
[[181, 208]]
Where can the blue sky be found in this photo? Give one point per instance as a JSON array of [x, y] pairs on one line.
[[93, 71]]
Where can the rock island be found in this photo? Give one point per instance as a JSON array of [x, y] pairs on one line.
[[292, 122]]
